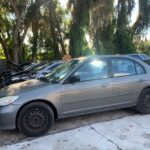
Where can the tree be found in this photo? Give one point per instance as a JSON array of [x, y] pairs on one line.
[[48, 27], [143, 20], [79, 25], [52, 32], [101, 25], [124, 35], [18, 15]]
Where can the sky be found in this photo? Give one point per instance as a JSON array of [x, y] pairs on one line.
[[133, 18], [63, 2]]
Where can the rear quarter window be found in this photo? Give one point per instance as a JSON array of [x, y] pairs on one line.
[[140, 69]]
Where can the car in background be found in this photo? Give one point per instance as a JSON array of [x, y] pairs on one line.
[[44, 71], [142, 57], [25, 73], [15, 76], [80, 86]]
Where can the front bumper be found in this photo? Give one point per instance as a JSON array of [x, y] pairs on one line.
[[8, 115]]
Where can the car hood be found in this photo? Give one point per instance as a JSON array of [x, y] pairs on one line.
[[15, 89]]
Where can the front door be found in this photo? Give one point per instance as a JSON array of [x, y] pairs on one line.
[[93, 90]]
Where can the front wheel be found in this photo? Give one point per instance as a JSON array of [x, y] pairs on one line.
[[143, 104], [35, 119]]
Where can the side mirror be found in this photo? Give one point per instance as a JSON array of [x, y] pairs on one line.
[[74, 79], [43, 79]]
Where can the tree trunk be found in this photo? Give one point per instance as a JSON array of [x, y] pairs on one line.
[[35, 41], [60, 37], [21, 56], [16, 32]]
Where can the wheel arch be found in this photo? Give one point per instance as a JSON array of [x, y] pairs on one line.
[[51, 105]]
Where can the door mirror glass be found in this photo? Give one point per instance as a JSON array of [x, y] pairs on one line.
[[74, 79]]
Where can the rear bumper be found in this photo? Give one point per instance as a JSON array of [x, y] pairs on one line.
[[8, 115]]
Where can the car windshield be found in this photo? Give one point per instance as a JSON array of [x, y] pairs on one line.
[[29, 67], [60, 72], [41, 67]]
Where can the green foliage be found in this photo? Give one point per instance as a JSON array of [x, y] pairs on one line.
[[144, 47], [2, 55], [79, 26], [123, 42], [101, 26], [143, 20], [47, 27], [124, 35]]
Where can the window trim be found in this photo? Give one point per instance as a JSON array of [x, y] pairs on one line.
[[134, 62]]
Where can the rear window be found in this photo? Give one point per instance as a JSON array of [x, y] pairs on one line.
[[139, 69]]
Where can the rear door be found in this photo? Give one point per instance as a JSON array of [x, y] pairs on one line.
[[128, 80]]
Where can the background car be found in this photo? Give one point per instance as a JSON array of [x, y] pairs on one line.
[[29, 71], [42, 72], [142, 57]]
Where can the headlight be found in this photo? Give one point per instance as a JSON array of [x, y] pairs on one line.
[[4, 101]]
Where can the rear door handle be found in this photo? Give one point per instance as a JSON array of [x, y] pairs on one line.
[[104, 85]]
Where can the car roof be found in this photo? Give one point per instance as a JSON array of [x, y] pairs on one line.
[[101, 56]]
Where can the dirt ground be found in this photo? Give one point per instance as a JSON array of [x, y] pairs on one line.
[[10, 137]]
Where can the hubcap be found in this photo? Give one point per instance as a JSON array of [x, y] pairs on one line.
[[36, 119]]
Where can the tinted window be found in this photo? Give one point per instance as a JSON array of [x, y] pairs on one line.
[[95, 69], [140, 69], [123, 67], [53, 67], [137, 57]]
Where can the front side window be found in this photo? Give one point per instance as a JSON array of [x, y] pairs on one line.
[[62, 71], [123, 67], [92, 70]]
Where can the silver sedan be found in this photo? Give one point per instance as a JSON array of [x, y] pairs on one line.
[[77, 87]]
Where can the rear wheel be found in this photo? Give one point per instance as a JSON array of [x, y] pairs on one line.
[[143, 105], [35, 119]]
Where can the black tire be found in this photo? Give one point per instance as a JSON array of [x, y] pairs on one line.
[[143, 104], [35, 119]]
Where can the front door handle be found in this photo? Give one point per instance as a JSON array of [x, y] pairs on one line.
[[141, 80]]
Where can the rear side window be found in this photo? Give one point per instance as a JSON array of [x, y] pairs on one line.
[[123, 67], [139, 69]]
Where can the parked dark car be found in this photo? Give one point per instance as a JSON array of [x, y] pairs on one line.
[[142, 57], [22, 74], [80, 86], [48, 69]]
